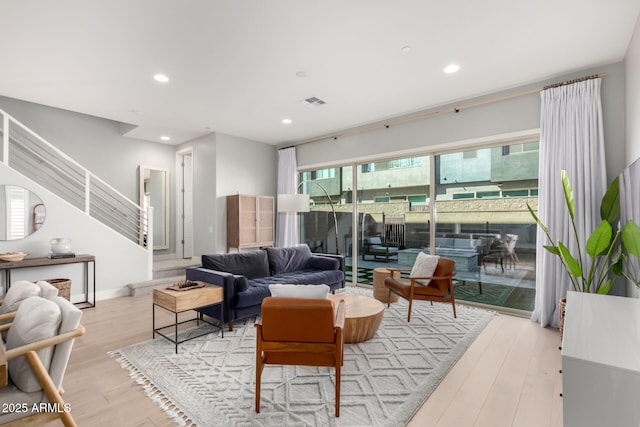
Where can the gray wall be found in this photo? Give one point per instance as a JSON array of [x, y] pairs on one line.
[[450, 129], [632, 68], [632, 149], [224, 165], [244, 167], [98, 145]]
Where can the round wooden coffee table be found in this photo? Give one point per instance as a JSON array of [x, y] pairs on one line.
[[363, 316]]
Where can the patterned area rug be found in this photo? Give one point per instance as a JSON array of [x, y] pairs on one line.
[[211, 381]]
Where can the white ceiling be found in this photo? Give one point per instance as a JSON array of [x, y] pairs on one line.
[[233, 64]]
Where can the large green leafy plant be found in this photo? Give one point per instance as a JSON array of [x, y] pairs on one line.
[[605, 247]]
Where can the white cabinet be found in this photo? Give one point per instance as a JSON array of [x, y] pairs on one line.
[[601, 361]]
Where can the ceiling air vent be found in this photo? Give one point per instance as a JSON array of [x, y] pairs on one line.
[[314, 102]]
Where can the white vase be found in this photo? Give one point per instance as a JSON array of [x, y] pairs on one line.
[[61, 245]]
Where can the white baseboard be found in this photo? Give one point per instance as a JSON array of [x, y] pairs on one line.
[[102, 295]]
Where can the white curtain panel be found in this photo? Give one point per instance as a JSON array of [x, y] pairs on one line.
[[571, 138], [630, 210], [287, 222]]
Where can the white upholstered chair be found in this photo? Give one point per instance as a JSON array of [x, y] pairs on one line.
[[38, 346]]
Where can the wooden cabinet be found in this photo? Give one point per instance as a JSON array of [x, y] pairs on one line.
[[601, 361], [250, 221]]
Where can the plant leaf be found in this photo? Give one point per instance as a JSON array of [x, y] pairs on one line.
[[568, 194], [604, 289], [600, 240], [535, 217], [610, 205], [631, 238], [569, 261], [553, 249], [617, 268]]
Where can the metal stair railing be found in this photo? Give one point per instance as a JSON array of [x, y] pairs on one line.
[[28, 153]]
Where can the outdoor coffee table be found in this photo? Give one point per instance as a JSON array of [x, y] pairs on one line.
[[181, 301], [363, 316]]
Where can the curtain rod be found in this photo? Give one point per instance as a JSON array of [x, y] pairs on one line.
[[446, 110], [568, 82]]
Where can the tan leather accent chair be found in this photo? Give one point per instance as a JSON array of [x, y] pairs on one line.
[[300, 331], [440, 287]]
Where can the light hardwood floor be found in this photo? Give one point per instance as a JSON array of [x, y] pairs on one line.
[[508, 377]]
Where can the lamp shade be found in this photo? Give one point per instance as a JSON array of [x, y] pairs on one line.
[[293, 203]]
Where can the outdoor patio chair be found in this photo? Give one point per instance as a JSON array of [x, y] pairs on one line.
[[439, 287], [378, 248], [300, 331]]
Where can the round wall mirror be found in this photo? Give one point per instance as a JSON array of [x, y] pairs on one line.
[[21, 212]]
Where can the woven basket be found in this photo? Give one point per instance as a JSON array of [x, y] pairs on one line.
[[63, 286]]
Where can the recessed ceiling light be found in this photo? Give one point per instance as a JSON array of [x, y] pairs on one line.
[[452, 68], [405, 48], [287, 121], [165, 138], [161, 78]]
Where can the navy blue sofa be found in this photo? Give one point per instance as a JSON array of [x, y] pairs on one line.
[[246, 276]]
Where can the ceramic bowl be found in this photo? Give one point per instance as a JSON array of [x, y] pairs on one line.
[[12, 256]]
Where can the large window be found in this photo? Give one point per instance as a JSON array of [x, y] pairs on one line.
[[474, 213]]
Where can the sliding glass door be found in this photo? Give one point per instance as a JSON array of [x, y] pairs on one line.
[[327, 227], [383, 213], [482, 222], [393, 213]]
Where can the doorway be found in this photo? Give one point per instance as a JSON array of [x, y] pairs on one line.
[[184, 245]]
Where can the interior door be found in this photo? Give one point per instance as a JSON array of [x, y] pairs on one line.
[[187, 205]]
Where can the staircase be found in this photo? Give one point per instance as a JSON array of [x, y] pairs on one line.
[[165, 273], [31, 155], [98, 216]]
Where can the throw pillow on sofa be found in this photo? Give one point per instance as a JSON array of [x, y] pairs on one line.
[[285, 260], [424, 266], [300, 291]]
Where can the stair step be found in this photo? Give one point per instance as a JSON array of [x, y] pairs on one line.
[[146, 287], [172, 268]]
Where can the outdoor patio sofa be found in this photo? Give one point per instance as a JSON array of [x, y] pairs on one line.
[[456, 244], [246, 276]]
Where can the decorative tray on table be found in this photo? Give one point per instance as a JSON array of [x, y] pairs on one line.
[[12, 256], [185, 285]]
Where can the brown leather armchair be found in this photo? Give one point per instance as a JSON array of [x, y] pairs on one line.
[[299, 331], [440, 285]]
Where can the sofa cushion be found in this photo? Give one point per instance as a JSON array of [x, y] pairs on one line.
[[303, 277], [444, 242], [36, 319], [47, 290], [251, 264], [463, 244], [17, 293], [285, 260], [299, 291], [323, 262], [252, 296]]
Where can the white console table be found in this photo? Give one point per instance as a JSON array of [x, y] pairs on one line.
[[601, 361]]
